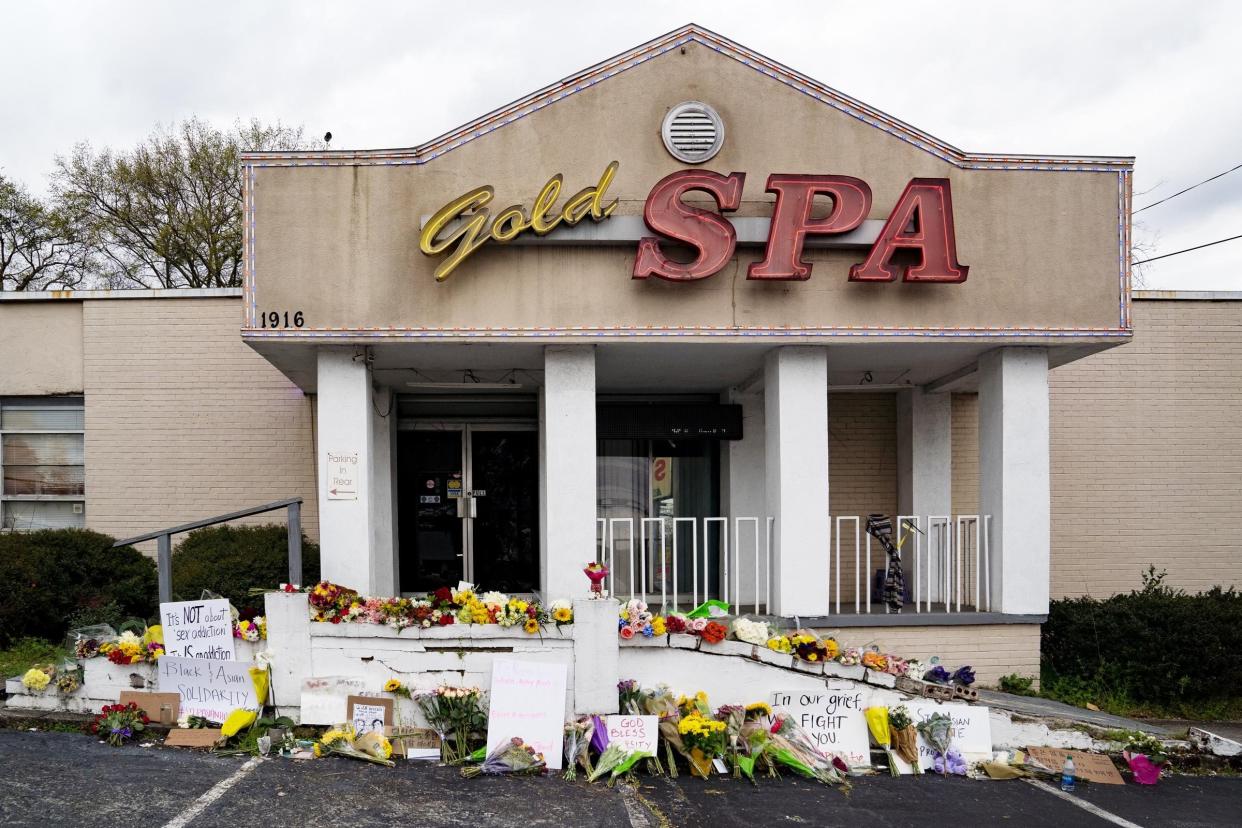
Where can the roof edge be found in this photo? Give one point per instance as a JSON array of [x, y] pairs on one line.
[[690, 32], [1189, 295], [137, 293]]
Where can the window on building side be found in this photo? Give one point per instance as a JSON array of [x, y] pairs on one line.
[[41, 461]]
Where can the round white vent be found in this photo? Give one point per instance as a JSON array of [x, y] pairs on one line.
[[693, 132]]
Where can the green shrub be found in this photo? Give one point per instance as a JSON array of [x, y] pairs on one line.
[[231, 560], [48, 576], [1016, 684], [1155, 645]]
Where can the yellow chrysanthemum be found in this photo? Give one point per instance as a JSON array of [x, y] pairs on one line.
[[657, 626]]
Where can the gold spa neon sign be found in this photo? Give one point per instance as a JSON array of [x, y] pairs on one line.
[[465, 219]]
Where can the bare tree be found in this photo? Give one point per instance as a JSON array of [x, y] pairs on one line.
[[39, 248], [167, 213]]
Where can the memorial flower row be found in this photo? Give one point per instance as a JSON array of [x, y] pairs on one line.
[[708, 623], [335, 604]]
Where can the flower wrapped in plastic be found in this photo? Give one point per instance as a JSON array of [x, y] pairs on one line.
[[578, 746], [878, 725], [340, 741], [793, 747], [904, 736], [937, 731], [456, 712], [733, 716], [751, 632], [964, 676], [704, 738], [36, 679], [514, 758]]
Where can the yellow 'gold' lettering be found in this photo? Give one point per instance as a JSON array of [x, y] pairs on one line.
[[472, 231]]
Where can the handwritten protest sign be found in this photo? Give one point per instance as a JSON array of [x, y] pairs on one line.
[[633, 733], [1092, 767], [832, 717], [528, 701], [971, 735], [198, 629], [208, 688], [367, 713]]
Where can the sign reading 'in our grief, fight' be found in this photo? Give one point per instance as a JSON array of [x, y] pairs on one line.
[[198, 629], [209, 688], [832, 717], [528, 702]]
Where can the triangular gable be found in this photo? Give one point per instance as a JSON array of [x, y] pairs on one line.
[[690, 33]]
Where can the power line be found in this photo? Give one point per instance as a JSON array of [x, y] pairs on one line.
[[1187, 250], [1188, 189]]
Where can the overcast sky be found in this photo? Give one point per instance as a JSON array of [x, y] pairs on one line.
[[1156, 80]]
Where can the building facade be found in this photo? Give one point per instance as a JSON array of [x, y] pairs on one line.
[[730, 313]]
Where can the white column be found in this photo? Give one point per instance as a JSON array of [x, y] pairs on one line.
[[348, 466], [1014, 478], [796, 449], [567, 483], [383, 492], [924, 453]]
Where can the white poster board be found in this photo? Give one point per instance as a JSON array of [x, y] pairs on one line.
[[208, 688], [198, 629], [634, 733], [325, 699], [832, 717], [971, 735], [528, 701]]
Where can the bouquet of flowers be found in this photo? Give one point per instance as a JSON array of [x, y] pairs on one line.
[[457, 711], [937, 731], [596, 572], [793, 747], [733, 716], [254, 629], [69, 680], [964, 676], [904, 736], [512, 757], [331, 601], [713, 632], [118, 723], [751, 632], [807, 647], [674, 623], [780, 644], [877, 723], [635, 619], [36, 679], [562, 613], [577, 746], [370, 747], [629, 697], [873, 659], [704, 738], [850, 657]]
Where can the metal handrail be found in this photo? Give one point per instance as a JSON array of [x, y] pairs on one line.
[[164, 539]]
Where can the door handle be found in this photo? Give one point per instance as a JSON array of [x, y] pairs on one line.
[[467, 507]]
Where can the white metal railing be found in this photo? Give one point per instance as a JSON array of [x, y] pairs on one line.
[[643, 556], [944, 559]]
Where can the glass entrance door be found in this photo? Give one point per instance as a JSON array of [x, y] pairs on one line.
[[468, 507]]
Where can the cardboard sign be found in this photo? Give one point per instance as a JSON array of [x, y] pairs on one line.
[[971, 735], [528, 701], [367, 713], [833, 718], [207, 688], [198, 629], [416, 743], [1089, 766], [634, 732], [162, 708], [325, 700], [193, 737]]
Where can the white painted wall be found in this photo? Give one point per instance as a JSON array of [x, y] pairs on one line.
[[1014, 476], [796, 467], [924, 453], [567, 484], [745, 493], [351, 539]]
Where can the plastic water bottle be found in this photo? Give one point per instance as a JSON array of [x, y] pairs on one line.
[[1067, 775]]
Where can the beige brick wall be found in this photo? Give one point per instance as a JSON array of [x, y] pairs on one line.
[[993, 650], [862, 475], [1147, 454], [183, 421], [964, 437]]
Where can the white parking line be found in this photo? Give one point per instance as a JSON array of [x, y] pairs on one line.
[[217, 790], [1082, 803], [633, 808]]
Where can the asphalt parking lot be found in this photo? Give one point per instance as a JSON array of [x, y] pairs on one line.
[[67, 779]]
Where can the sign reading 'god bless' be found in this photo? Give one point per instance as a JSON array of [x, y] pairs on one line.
[[198, 629]]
